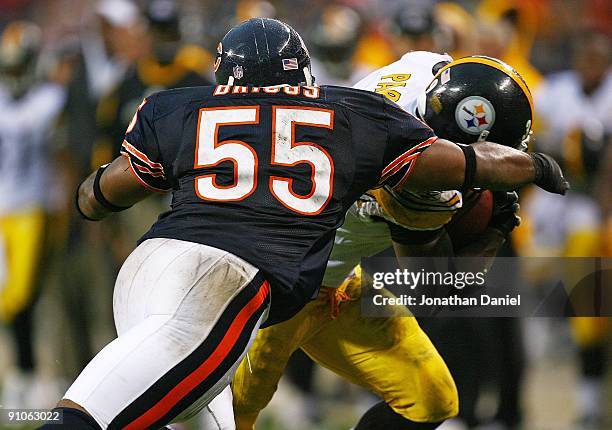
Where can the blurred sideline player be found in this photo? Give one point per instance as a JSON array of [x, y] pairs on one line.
[[189, 300], [403, 26], [168, 62], [575, 107], [107, 44], [507, 31], [392, 357], [414, 27], [333, 42], [426, 25], [458, 28], [29, 107]]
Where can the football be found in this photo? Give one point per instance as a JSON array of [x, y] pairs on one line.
[[472, 220]]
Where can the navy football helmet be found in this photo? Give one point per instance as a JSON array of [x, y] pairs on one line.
[[263, 52]]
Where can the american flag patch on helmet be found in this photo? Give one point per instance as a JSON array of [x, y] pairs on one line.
[[290, 64], [445, 76]]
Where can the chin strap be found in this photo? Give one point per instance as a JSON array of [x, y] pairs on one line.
[[308, 76], [483, 136]]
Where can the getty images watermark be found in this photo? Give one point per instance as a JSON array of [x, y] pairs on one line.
[[457, 280], [479, 287]]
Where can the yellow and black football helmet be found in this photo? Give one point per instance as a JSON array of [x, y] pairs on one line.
[[478, 98], [20, 43]]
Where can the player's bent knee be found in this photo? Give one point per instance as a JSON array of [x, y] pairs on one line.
[[436, 398], [440, 401], [447, 407], [438, 389], [441, 398], [444, 408]]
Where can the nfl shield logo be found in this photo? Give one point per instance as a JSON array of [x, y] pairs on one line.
[[238, 72]]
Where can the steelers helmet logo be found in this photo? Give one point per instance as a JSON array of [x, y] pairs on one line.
[[475, 114]]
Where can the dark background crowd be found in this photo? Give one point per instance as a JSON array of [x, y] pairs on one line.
[[90, 63]]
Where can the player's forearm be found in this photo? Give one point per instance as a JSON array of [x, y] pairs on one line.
[[111, 188], [86, 201], [447, 166], [502, 168]]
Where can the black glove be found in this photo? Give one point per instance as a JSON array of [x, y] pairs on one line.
[[548, 174], [505, 212]]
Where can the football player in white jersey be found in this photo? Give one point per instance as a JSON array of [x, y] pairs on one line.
[[404, 82], [391, 356], [28, 109]]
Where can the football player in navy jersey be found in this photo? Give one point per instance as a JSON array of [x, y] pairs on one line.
[[262, 169]]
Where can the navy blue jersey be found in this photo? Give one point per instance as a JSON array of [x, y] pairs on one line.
[[269, 173]]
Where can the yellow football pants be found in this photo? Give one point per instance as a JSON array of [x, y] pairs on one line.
[[392, 357], [21, 239]]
